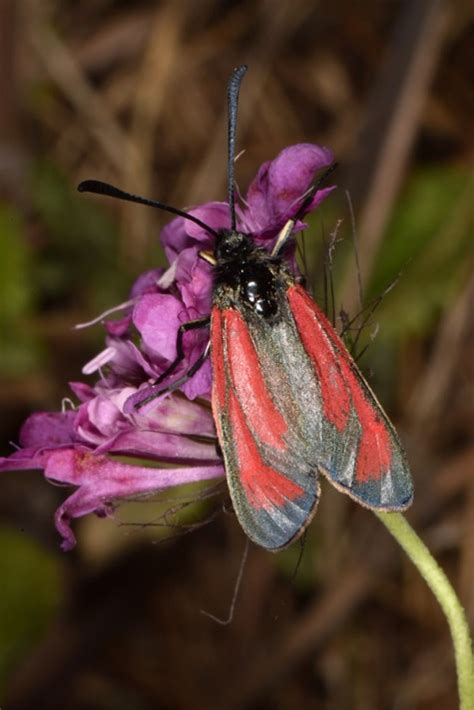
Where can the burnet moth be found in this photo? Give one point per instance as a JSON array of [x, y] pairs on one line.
[[288, 400]]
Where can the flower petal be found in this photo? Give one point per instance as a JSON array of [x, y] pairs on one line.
[[181, 233], [157, 317], [83, 391], [102, 481], [158, 446], [176, 414], [146, 282], [194, 280], [215, 214], [200, 384], [274, 195], [44, 430]]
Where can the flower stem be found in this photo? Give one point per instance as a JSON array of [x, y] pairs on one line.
[[446, 596]]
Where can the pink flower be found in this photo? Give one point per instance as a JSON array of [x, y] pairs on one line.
[[79, 448], [74, 448]]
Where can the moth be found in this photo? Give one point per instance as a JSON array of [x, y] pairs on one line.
[[288, 400]]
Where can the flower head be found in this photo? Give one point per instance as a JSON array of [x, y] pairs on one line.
[[87, 447]]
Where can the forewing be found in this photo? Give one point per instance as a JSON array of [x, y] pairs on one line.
[[364, 457], [288, 401], [273, 485]]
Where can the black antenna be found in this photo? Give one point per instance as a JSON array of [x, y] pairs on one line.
[[232, 103], [103, 188]]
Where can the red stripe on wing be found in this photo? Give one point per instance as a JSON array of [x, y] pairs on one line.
[[335, 394], [263, 486], [217, 355], [374, 451], [264, 419], [374, 455]]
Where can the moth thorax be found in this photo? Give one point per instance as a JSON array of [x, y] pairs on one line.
[[258, 289]]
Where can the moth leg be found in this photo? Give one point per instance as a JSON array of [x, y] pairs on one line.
[[307, 198], [181, 380], [183, 328], [283, 237], [187, 375], [209, 257]]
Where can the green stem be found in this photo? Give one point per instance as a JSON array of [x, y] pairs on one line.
[[446, 596]]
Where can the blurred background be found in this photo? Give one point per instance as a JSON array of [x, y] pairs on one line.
[[134, 93]]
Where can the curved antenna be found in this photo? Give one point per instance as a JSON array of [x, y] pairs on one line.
[[103, 188], [232, 103]]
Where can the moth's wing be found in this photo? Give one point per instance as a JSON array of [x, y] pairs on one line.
[[274, 488], [288, 401], [364, 457]]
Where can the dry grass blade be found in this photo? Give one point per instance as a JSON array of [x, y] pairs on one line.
[[393, 116], [431, 391], [279, 21], [160, 62], [64, 70]]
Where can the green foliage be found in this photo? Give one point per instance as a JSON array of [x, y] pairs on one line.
[[19, 345], [169, 513], [297, 562], [30, 596], [80, 259], [429, 243]]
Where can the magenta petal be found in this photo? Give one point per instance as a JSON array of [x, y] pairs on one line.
[[129, 362], [81, 503], [320, 196], [275, 193], [102, 417], [146, 282], [83, 391], [257, 216], [293, 171], [180, 233], [174, 238], [103, 481], [215, 214], [158, 446], [177, 415], [200, 384], [48, 429], [104, 414], [119, 327], [194, 280], [25, 459], [135, 403], [157, 317]]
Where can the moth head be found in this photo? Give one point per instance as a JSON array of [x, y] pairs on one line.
[[231, 244]]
